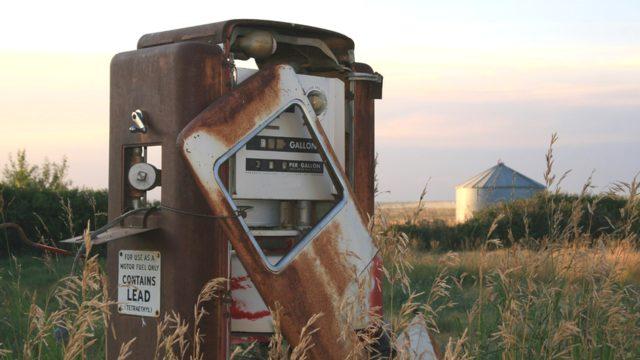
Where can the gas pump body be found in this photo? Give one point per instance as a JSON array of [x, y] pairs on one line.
[[171, 78], [171, 84]]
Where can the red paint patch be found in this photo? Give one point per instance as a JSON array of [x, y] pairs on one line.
[[239, 312], [235, 340], [375, 296], [237, 283]]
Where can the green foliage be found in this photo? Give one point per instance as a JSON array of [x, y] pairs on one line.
[[530, 222], [19, 173], [35, 312], [48, 215], [25, 281]]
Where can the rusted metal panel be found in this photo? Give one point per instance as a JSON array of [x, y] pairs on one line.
[[171, 84], [364, 158], [324, 267], [222, 32], [364, 142]]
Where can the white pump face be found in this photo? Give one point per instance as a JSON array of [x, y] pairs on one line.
[[282, 163]]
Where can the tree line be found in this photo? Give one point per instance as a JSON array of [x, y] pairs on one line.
[[43, 201]]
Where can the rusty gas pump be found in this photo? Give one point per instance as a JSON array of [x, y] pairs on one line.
[[266, 178]]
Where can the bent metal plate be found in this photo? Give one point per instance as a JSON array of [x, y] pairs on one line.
[[139, 283]]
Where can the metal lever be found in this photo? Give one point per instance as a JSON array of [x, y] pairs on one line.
[[23, 237], [138, 122]]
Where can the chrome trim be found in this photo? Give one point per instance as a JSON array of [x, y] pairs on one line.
[[361, 76]]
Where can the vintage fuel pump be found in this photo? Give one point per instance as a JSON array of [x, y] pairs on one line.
[[266, 178]]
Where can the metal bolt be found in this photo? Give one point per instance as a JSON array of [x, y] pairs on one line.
[[142, 176]]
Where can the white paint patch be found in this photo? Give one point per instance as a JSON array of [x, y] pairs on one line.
[[415, 342]]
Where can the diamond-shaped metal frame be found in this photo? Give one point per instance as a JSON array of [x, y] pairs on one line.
[[324, 267]]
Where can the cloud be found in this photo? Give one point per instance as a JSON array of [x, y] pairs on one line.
[[504, 125], [427, 131], [568, 75]]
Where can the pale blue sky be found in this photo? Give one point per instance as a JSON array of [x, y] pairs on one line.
[[466, 82]]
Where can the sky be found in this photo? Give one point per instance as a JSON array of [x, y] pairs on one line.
[[466, 83]]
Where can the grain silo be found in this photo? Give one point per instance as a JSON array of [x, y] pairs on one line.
[[497, 184]]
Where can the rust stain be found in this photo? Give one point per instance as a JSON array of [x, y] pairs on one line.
[[214, 79], [302, 305], [334, 262], [234, 115]]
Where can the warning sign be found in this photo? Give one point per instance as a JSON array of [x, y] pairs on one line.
[[139, 283]]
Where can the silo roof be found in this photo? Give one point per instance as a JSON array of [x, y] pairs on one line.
[[501, 176]]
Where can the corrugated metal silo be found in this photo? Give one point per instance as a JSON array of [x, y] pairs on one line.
[[497, 184]]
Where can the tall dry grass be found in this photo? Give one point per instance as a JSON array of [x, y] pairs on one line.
[[567, 295], [74, 316]]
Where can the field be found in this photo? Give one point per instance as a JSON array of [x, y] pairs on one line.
[[40, 300], [399, 212], [569, 293], [568, 302]]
